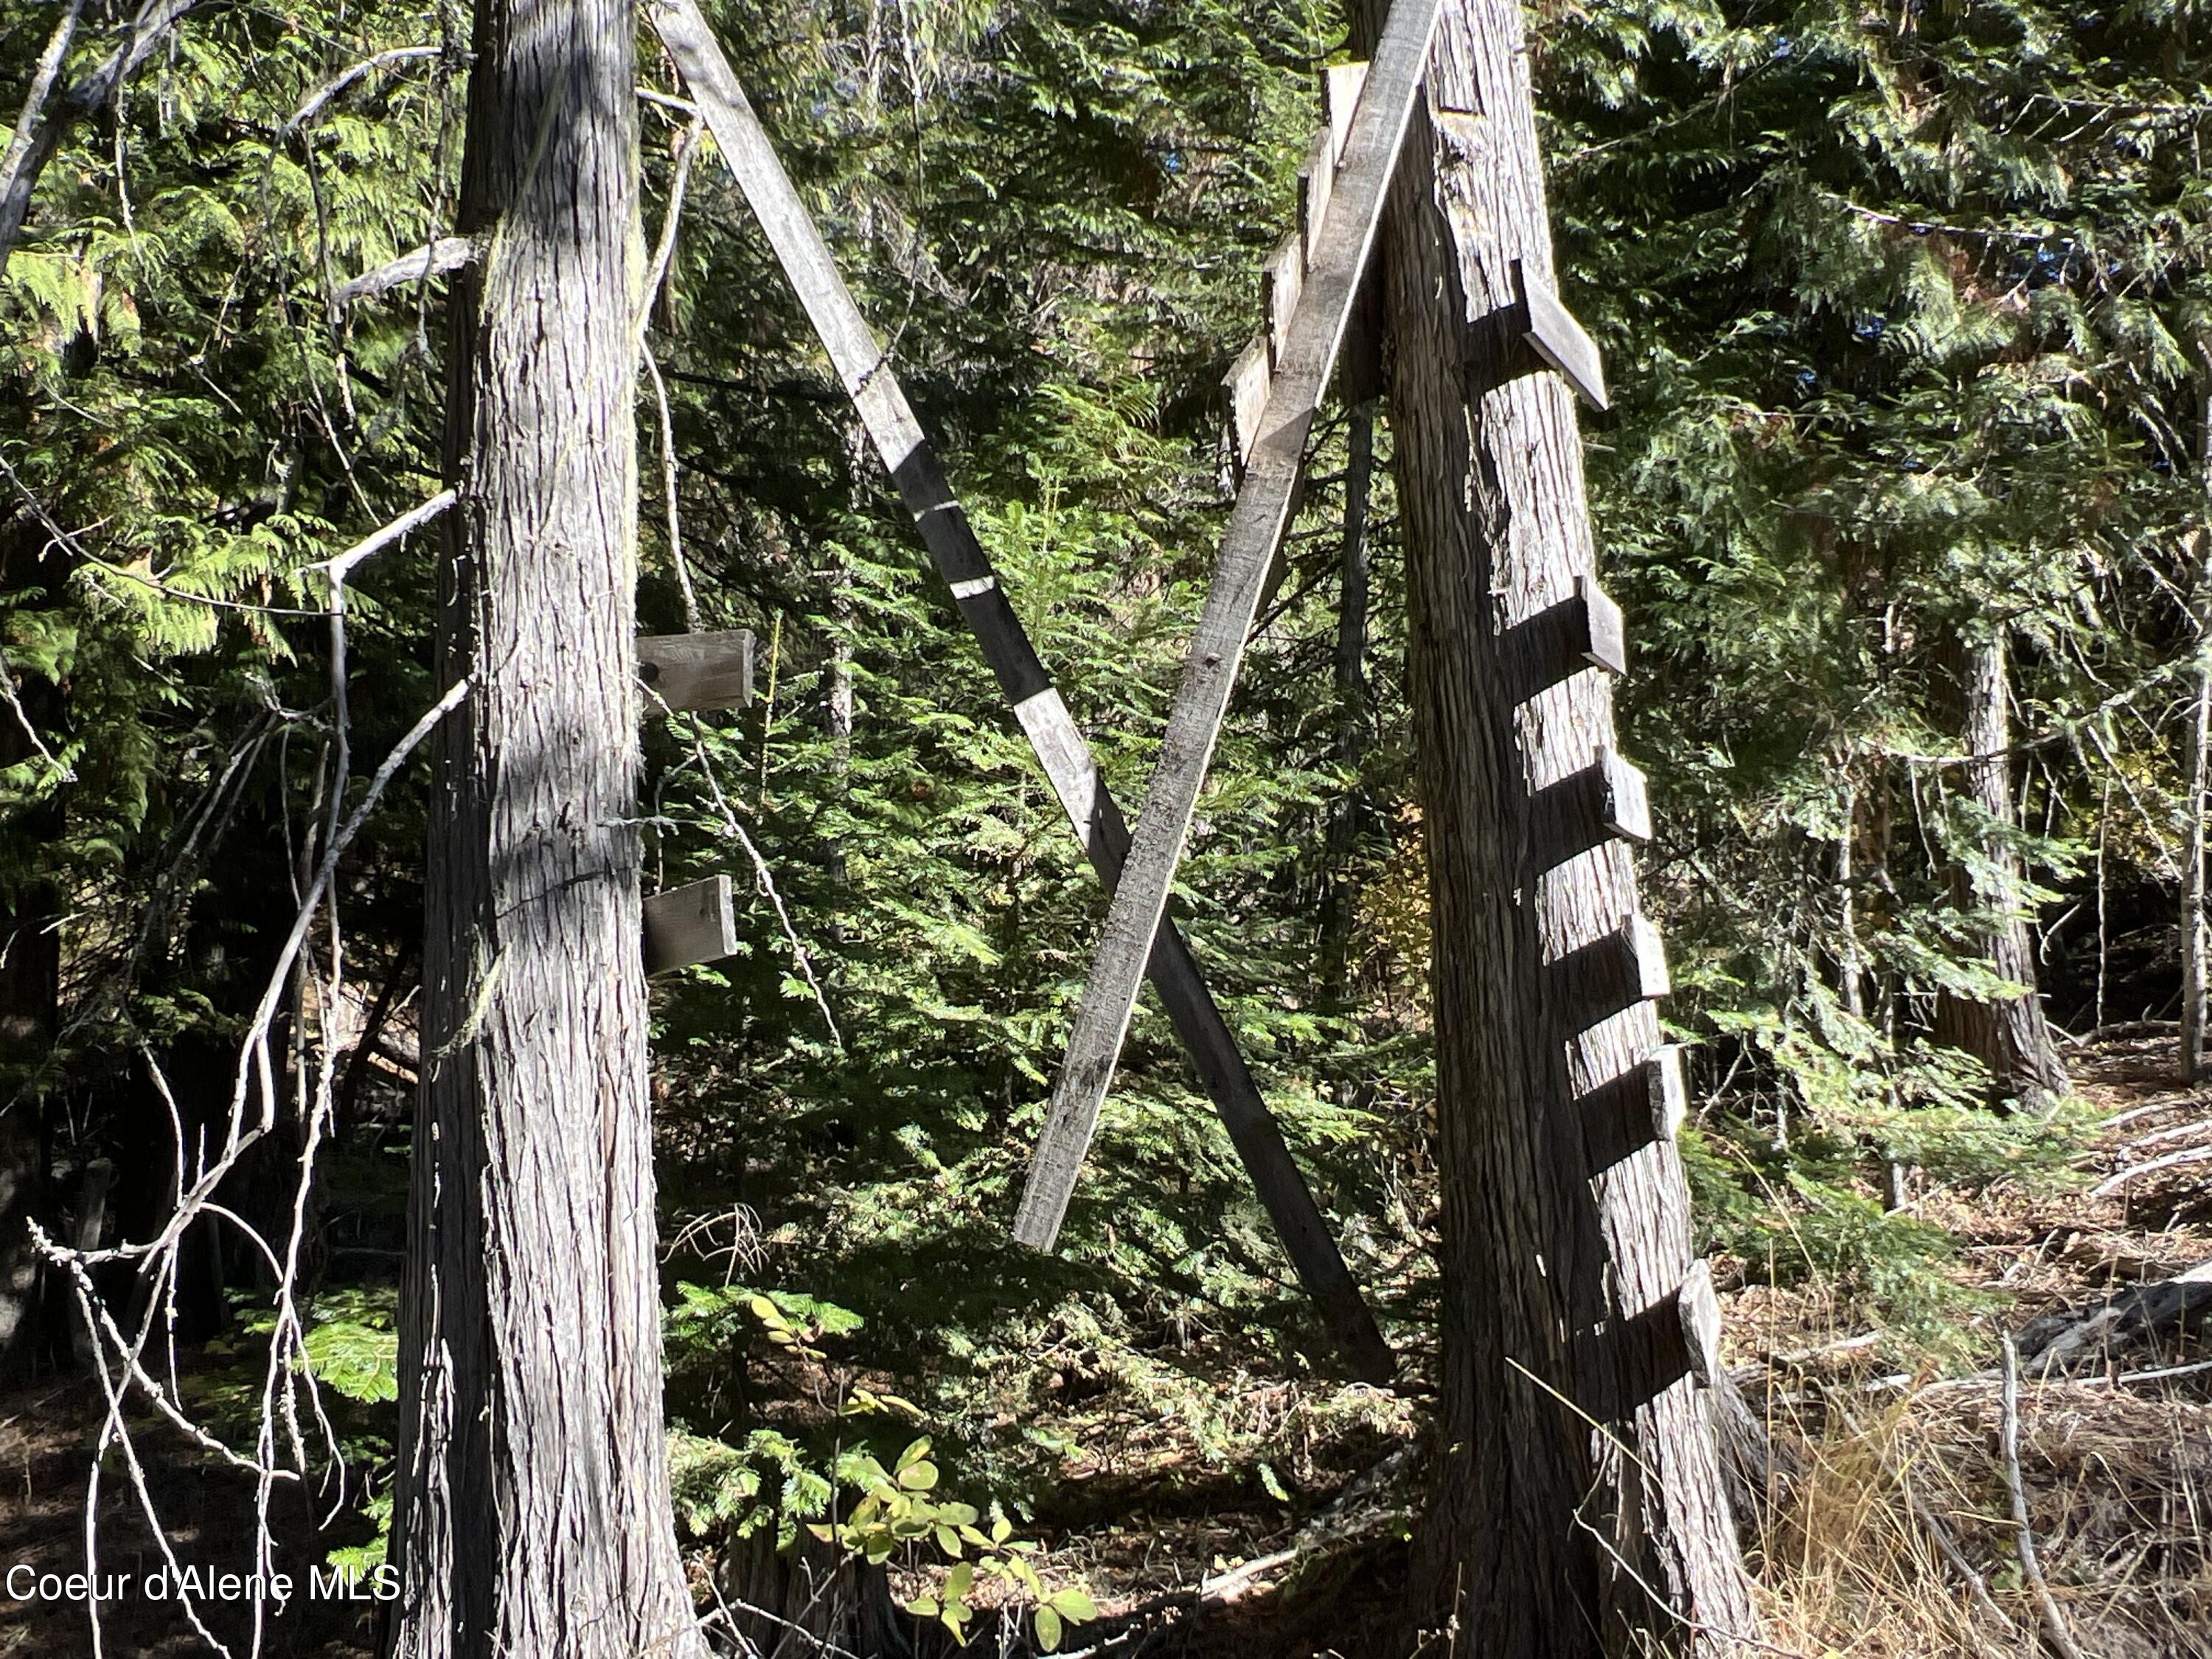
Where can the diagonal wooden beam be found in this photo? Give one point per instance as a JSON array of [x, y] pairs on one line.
[[1256, 526], [1059, 747]]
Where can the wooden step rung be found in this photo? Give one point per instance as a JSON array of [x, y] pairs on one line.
[[1675, 1338], [698, 672], [1624, 967], [1606, 800], [1644, 1105], [1282, 279], [689, 925], [1339, 95], [1585, 631], [1245, 389], [1698, 1310], [1559, 339]]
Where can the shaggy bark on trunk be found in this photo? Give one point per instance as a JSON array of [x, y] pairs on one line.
[[2010, 1036], [533, 1513], [1579, 1464]]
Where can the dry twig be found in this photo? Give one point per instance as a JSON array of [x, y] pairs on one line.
[[2054, 1622]]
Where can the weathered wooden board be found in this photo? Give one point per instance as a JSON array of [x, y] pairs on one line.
[[1678, 1335], [1585, 631], [1698, 1306], [1559, 340], [1605, 801], [1339, 95], [1256, 526], [1282, 279], [1643, 1104], [689, 925], [1244, 390], [698, 672], [1316, 183], [1359, 360], [1059, 747]]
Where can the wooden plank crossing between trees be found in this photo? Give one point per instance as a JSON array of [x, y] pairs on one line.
[[1256, 526], [899, 438]]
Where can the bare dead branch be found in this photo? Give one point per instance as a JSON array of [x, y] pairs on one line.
[[692, 618], [2054, 1622], [2112, 1184], [29, 155], [30, 122], [446, 254], [767, 879], [338, 83]]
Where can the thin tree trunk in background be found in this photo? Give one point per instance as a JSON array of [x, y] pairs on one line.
[[839, 673], [2192, 874], [1848, 974], [2010, 1037], [1337, 905], [2193, 942], [1543, 1531], [30, 1006], [30, 964], [533, 1504]]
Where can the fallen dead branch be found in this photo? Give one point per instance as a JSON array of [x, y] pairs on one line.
[[2051, 1344], [2031, 1568], [2112, 1184]]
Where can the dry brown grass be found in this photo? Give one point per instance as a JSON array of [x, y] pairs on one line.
[[2120, 1494], [2118, 1473]]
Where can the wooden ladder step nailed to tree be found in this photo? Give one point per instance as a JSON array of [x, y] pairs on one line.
[[1577, 1460], [697, 672], [906, 451], [1298, 369]]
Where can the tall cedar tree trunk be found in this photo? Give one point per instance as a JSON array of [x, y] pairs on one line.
[[2010, 1037], [533, 1514], [1559, 1279]]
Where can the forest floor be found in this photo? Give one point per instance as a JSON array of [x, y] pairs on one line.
[[1890, 1494]]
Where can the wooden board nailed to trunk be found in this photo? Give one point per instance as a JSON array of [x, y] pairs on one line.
[[689, 925], [698, 672]]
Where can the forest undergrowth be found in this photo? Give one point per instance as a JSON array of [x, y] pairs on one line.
[[1249, 1513]]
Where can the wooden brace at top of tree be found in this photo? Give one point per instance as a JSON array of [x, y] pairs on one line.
[[1331, 257], [1059, 747]]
